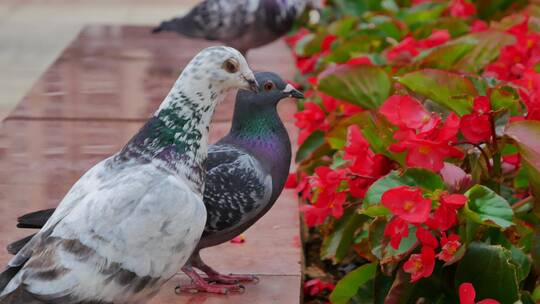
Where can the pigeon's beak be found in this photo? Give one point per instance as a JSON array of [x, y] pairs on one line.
[[251, 84], [292, 92]]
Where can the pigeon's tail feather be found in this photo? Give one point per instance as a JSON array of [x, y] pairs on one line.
[[16, 246], [35, 219], [22, 296], [5, 278], [183, 26]]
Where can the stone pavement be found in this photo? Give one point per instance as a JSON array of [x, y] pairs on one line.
[[90, 102]]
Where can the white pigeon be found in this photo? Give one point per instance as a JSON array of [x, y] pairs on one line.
[[133, 220]]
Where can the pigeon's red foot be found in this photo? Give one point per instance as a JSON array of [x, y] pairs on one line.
[[198, 284], [232, 278], [195, 287]]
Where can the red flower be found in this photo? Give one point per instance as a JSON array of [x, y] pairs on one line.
[[476, 127], [403, 51], [396, 230], [420, 135], [450, 246], [310, 119], [445, 217], [454, 201], [291, 182], [362, 60], [407, 203], [314, 287], [436, 38], [426, 238], [293, 39], [467, 295], [462, 8], [327, 181], [327, 42], [479, 26], [314, 216], [420, 265], [407, 112]]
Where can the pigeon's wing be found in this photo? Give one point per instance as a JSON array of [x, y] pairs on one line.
[[236, 188], [111, 227], [214, 19]]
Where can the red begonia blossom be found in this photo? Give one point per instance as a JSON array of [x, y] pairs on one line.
[[396, 230], [449, 247], [362, 60], [420, 265], [314, 287], [313, 215], [404, 51], [445, 216], [426, 238], [310, 119], [436, 38], [426, 143], [479, 26], [327, 182], [407, 203], [476, 127], [462, 8], [467, 295], [291, 182]]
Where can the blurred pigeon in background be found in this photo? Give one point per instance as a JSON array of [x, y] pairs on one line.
[[245, 174], [132, 220], [242, 24]]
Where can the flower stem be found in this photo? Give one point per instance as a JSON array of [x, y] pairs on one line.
[[522, 202], [484, 154]]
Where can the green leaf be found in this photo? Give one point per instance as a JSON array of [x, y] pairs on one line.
[[505, 99], [347, 287], [526, 134], [490, 269], [487, 46], [422, 178], [376, 210], [381, 248], [314, 141], [488, 208], [522, 262], [377, 131], [451, 90], [363, 85], [337, 244]]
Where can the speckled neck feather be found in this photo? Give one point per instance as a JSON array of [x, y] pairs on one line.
[[176, 136]]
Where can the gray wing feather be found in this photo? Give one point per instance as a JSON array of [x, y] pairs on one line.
[[236, 187]]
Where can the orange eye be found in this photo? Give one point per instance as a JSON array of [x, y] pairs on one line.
[[268, 86]]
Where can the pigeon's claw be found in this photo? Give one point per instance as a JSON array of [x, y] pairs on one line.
[[232, 278], [223, 289], [199, 284]]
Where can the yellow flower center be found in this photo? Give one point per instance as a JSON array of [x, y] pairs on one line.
[[408, 205], [424, 149]]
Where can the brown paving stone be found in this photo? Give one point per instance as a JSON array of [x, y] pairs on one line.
[[123, 72]]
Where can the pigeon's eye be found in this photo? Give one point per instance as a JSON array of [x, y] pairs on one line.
[[268, 86], [230, 65]]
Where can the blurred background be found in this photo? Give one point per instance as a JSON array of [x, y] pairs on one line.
[[34, 32]]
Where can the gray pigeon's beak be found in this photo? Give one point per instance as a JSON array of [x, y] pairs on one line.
[[292, 92]]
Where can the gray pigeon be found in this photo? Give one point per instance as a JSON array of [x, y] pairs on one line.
[[242, 24], [133, 219], [246, 171]]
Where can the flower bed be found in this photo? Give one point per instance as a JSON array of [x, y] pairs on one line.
[[419, 164]]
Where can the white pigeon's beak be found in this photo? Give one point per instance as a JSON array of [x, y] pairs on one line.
[[251, 84], [292, 92]]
